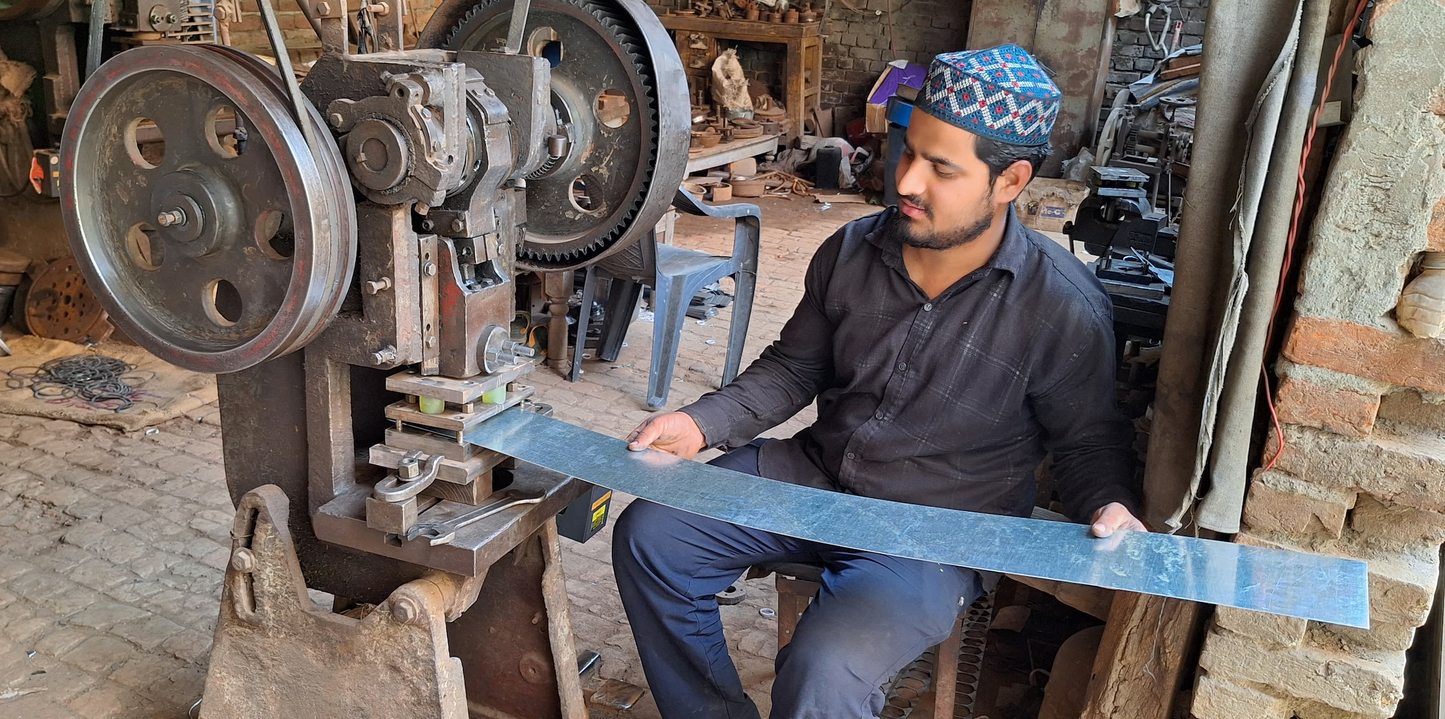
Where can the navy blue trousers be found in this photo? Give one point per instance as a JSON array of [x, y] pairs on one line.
[[874, 613]]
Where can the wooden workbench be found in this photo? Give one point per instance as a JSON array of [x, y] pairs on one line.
[[803, 67]]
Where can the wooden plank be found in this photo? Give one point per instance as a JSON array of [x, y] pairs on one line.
[[454, 420], [728, 152], [456, 391], [745, 30], [1148, 653]]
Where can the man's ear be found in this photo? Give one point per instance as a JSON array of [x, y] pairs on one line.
[[1011, 182]]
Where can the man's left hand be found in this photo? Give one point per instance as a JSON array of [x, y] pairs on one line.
[[1113, 517]]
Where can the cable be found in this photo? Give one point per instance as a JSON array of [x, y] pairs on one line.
[[1295, 220]]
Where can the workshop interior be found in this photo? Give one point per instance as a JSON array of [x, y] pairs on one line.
[[414, 263]]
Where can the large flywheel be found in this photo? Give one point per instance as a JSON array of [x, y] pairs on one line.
[[620, 97], [212, 234]]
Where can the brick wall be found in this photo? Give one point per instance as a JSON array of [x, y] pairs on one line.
[[1133, 55], [1362, 404], [857, 46]]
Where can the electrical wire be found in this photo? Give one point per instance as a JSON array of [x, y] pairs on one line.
[[1299, 202]]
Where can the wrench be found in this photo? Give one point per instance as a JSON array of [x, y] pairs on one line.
[[445, 531]]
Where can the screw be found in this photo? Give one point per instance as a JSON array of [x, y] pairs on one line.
[[491, 92], [171, 217], [242, 560], [405, 609], [429, 269], [386, 355], [458, 225], [171, 18], [336, 120], [431, 342], [376, 287], [427, 225]]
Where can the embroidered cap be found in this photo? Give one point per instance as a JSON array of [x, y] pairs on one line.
[[1001, 93]]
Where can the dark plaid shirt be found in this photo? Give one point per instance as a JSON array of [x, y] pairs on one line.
[[951, 402]]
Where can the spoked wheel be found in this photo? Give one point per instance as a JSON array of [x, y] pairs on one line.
[[209, 230]]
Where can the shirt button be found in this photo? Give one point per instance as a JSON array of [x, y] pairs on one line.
[[928, 307], [878, 415], [852, 456]]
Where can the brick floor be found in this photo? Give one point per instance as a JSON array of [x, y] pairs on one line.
[[113, 545]]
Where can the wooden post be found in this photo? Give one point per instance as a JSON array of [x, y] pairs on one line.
[[1148, 652]]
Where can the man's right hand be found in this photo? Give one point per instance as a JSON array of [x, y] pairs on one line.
[[674, 433]]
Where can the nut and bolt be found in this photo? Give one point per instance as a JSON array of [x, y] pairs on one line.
[[242, 560], [431, 342], [375, 287], [458, 225], [168, 218], [429, 269], [384, 356], [428, 225], [323, 8], [336, 120], [405, 609], [408, 468]]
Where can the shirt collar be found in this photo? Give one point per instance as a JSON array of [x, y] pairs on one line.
[[1009, 256]]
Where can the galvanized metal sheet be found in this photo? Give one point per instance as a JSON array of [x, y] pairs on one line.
[[1309, 586]]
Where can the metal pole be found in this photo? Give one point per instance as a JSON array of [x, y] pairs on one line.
[[1240, 46], [1230, 455]]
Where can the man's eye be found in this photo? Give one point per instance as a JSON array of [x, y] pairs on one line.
[[942, 173]]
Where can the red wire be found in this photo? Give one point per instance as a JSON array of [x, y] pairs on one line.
[[1299, 203]]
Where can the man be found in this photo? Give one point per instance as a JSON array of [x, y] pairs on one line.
[[949, 348]]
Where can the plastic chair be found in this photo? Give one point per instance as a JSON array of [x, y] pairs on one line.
[[675, 274]]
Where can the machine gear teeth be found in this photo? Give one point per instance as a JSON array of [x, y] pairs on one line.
[[624, 32]]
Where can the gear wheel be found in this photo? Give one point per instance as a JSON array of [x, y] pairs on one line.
[[619, 92]]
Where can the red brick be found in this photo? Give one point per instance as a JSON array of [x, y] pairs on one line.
[[1394, 357], [1403, 469], [1338, 410], [1411, 408], [1280, 503]]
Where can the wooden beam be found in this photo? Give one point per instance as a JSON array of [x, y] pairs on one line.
[[1148, 653]]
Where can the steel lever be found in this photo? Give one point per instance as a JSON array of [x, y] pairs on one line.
[[445, 531]]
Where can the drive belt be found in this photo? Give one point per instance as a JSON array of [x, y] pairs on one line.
[[1326, 589]]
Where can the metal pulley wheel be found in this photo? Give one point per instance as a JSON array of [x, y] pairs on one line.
[[620, 95], [209, 230]]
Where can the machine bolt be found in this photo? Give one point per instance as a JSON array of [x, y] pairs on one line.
[[361, 158], [408, 468], [155, 20], [168, 218], [431, 342], [323, 8], [405, 609], [242, 560], [171, 18], [491, 92], [458, 225], [428, 225], [384, 356], [426, 112], [376, 287], [429, 269], [336, 120]]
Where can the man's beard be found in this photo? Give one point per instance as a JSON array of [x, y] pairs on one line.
[[900, 228]]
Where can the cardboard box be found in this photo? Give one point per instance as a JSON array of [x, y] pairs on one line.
[[1047, 204], [899, 73]]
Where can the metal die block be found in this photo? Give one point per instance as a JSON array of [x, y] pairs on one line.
[[455, 391], [454, 420], [429, 443], [394, 517]]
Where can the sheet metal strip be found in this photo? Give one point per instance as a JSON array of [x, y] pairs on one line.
[[1310, 586]]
